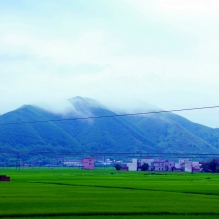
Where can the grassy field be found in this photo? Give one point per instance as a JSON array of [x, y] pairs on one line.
[[72, 193]]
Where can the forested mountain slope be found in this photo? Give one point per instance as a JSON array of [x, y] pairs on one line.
[[164, 132]]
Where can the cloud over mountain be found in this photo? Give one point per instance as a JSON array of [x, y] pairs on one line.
[[160, 132]]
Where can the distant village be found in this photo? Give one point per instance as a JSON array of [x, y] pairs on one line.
[[164, 165], [134, 164], [139, 165]]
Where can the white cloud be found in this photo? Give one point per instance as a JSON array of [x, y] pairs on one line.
[[90, 47], [32, 57]]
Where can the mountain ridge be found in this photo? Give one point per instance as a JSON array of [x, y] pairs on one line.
[[160, 132]]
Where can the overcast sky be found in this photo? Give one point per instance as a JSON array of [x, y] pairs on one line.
[[163, 52]]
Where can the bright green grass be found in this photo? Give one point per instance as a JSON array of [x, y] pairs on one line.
[[72, 193], [130, 217]]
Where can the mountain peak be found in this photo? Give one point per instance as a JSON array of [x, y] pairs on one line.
[[157, 132]]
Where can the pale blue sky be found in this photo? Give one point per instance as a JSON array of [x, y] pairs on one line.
[[164, 52]]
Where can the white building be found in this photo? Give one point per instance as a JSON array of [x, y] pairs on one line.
[[188, 166], [192, 166], [182, 164], [71, 163], [133, 165], [196, 166], [160, 165]]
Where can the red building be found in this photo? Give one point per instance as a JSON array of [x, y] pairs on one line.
[[4, 178], [88, 163]]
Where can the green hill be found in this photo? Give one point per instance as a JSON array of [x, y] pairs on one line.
[[164, 132]]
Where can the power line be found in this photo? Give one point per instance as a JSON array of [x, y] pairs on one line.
[[144, 155], [109, 116], [106, 153]]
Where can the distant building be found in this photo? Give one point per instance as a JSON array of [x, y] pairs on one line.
[[88, 163], [71, 163], [133, 165], [188, 166], [160, 165], [4, 178], [183, 162], [196, 166], [171, 165], [179, 167]]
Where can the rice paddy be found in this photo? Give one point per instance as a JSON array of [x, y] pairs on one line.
[[73, 193]]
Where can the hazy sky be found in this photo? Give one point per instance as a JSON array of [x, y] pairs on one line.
[[164, 52]]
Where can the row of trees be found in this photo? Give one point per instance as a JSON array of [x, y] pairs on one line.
[[211, 166]]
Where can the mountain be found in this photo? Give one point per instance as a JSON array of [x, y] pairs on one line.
[[175, 134], [59, 132]]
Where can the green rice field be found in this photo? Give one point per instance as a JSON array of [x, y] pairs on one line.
[[105, 193]]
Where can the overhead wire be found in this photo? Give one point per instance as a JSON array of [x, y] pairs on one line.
[[109, 116]]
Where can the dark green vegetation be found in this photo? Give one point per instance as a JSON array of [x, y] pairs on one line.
[[211, 166], [165, 132], [144, 167], [117, 166], [72, 193]]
